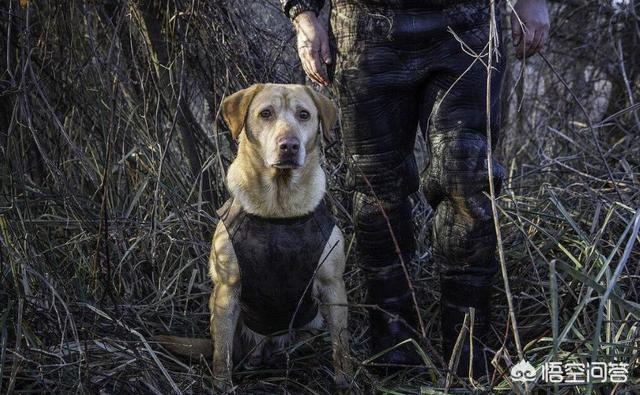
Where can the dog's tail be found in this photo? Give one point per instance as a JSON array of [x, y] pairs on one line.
[[186, 346]]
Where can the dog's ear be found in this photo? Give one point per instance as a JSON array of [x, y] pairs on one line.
[[235, 107], [327, 111]]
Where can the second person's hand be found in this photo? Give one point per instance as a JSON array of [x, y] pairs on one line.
[[530, 27], [313, 46]]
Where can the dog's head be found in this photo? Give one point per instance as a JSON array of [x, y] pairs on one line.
[[281, 121]]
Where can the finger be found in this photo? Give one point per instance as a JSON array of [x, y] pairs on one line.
[[516, 30], [319, 69], [540, 40], [521, 49], [529, 37], [535, 43], [525, 42], [325, 52], [303, 61], [307, 67], [318, 77], [545, 39], [312, 74], [543, 33], [315, 66]]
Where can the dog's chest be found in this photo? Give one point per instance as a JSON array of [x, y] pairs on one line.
[[277, 260]]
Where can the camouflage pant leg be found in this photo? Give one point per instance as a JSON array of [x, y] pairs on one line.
[[396, 66], [378, 127], [457, 186]]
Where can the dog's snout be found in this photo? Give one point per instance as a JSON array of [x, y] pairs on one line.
[[289, 145]]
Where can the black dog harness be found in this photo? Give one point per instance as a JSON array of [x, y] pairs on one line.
[[278, 258]]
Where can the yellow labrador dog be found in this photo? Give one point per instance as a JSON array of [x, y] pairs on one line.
[[276, 249]]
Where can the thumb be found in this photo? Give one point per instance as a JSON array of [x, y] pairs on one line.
[[325, 53], [516, 30]]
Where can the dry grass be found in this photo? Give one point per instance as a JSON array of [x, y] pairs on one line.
[[111, 166]]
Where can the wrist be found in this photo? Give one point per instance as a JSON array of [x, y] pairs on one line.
[[305, 17], [305, 20], [303, 9]]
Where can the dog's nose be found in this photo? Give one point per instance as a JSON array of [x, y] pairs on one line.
[[289, 145]]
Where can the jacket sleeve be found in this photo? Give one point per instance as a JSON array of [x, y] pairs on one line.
[[292, 8]]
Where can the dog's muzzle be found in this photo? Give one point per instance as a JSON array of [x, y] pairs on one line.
[[288, 153]]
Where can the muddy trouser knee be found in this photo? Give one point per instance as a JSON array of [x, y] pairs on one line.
[[395, 68], [457, 186], [463, 241]]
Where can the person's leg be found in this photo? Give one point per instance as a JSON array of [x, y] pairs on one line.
[[457, 185], [379, 108]]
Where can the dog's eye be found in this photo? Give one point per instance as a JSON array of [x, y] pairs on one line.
[[304, 115], [265, 113]]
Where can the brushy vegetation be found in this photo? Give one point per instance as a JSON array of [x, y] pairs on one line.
[[112, 163]]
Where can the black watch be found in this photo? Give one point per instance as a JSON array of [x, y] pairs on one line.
[[301, 6]]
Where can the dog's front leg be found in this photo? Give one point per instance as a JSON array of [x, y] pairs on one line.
[[335, 313], [224, 304], [335, 310], [225, 308]]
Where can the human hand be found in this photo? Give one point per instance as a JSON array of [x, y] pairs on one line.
[[529, 27], [313, 46]]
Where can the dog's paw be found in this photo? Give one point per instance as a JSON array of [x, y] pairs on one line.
[[343, 377], [222, 384], [342, 381], [343, 369], [222, 378]]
